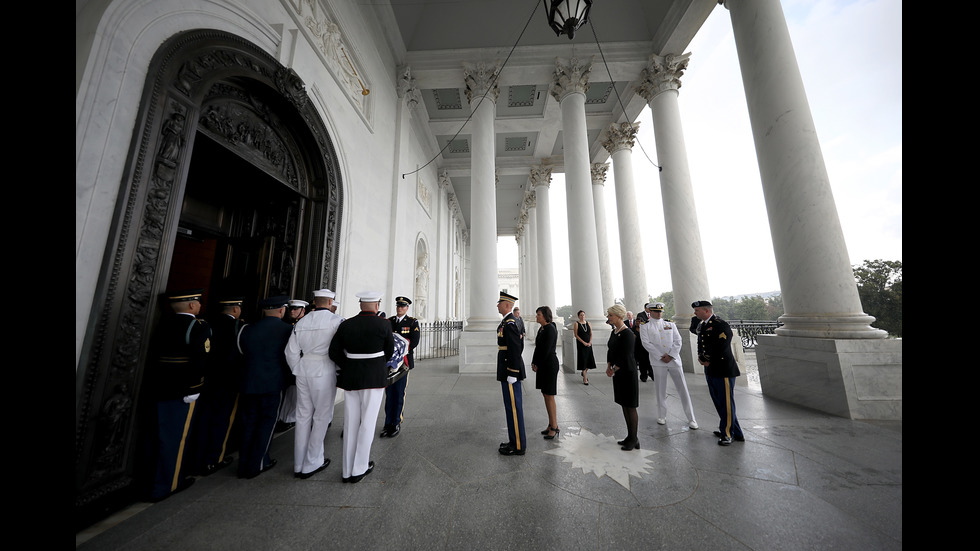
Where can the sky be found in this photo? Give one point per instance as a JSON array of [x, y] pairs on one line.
[[850, 57]]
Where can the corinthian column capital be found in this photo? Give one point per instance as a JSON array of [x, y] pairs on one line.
[[599, 173], [573, 77], [620, 135], [662, 73], [540, 176], [479, 77]]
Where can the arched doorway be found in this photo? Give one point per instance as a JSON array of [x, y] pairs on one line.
[[231, 172]]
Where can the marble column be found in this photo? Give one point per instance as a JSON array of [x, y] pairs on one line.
[[819, 293], [826, 356], [540, 183], [478, 346], [618, 141], [570, 83], [602, 236], [482, 309], [659, 83]]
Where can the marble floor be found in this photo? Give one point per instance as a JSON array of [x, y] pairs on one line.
[[801, 480]]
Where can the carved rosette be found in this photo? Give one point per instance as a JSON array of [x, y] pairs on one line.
[[541, 176], [662, 73], [480, 77], [599, 173], [619, 135], [570, 78]]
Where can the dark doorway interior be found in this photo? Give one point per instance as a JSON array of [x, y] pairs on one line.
[[238, 231]]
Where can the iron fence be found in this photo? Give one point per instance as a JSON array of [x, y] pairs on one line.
[[440, 339], [749, 329]]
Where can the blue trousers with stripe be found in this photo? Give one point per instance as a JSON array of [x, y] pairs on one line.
[[722, 391], [514, 410]]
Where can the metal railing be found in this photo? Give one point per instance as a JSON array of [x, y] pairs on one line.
[[440, 339], [749, 329]]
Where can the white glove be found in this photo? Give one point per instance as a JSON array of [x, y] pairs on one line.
[[511, 380], [190, 398]]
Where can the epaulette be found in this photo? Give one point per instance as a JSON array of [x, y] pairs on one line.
[[511, 320]]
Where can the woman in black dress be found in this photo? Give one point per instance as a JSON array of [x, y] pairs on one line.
[[545, 364], [583, 347], [621, 366]]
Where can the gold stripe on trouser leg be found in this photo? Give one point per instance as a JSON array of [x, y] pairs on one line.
[[231, 422], [728, 409], [401, 414], [180, 450], [513, 412]]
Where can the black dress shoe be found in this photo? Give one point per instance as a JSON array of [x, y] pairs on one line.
[[211, 469], [510, 451], [735, 438], [724, 441], [394, 431], [504, 445], [357, 478], [385, 432], [304, 476]]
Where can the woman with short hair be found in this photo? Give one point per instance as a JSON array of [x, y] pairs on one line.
[[545, 364]]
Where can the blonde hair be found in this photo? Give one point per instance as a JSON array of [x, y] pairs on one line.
[[617, 310]]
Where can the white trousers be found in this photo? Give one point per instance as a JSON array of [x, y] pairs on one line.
[[660, 372], [314, 411], [361, 409]]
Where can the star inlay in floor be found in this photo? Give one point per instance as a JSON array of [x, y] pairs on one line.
[[599, 454]]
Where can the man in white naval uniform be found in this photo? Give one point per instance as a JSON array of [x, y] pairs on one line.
[[662, 341], [316, 383]]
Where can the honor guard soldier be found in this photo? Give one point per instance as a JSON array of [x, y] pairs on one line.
[[510, 373], [408, 327], [316, 383], [262, 344], [218, 404], [176, 380], [720, 369], [361, 349]]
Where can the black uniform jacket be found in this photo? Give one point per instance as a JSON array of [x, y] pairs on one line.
[[715, 347], [366, 333], [510, 345], [408, 328], [182, 346], [225, 365], [263, 344]]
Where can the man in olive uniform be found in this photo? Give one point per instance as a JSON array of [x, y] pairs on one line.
[[510, 373], [720, 369], [408, 327], [263, 344], [361, 348], [175, 381], [218, 405]]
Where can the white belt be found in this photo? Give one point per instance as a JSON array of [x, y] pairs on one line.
[[354, 356], [319, 357]]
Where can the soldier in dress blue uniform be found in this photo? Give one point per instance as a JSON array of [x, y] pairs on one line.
[[510, 373], [720, 369], [408, 327], [175, 381], [218, 405], [361, 348], [262, 344]]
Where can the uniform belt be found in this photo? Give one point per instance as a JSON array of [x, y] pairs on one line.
[[501, 348], [355, 356], [320, 357]]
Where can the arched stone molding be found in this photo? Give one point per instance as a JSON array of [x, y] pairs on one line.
[[233, 91]]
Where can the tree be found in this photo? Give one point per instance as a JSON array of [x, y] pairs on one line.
[[565, 313], [879, 284], [750, 308]]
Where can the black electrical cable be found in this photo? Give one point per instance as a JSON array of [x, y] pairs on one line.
[[490, 87]]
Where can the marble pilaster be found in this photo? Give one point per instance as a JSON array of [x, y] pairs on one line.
[[540, 181]]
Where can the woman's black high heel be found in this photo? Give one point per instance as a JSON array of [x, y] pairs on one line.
[[551, 436], [631, 445]]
